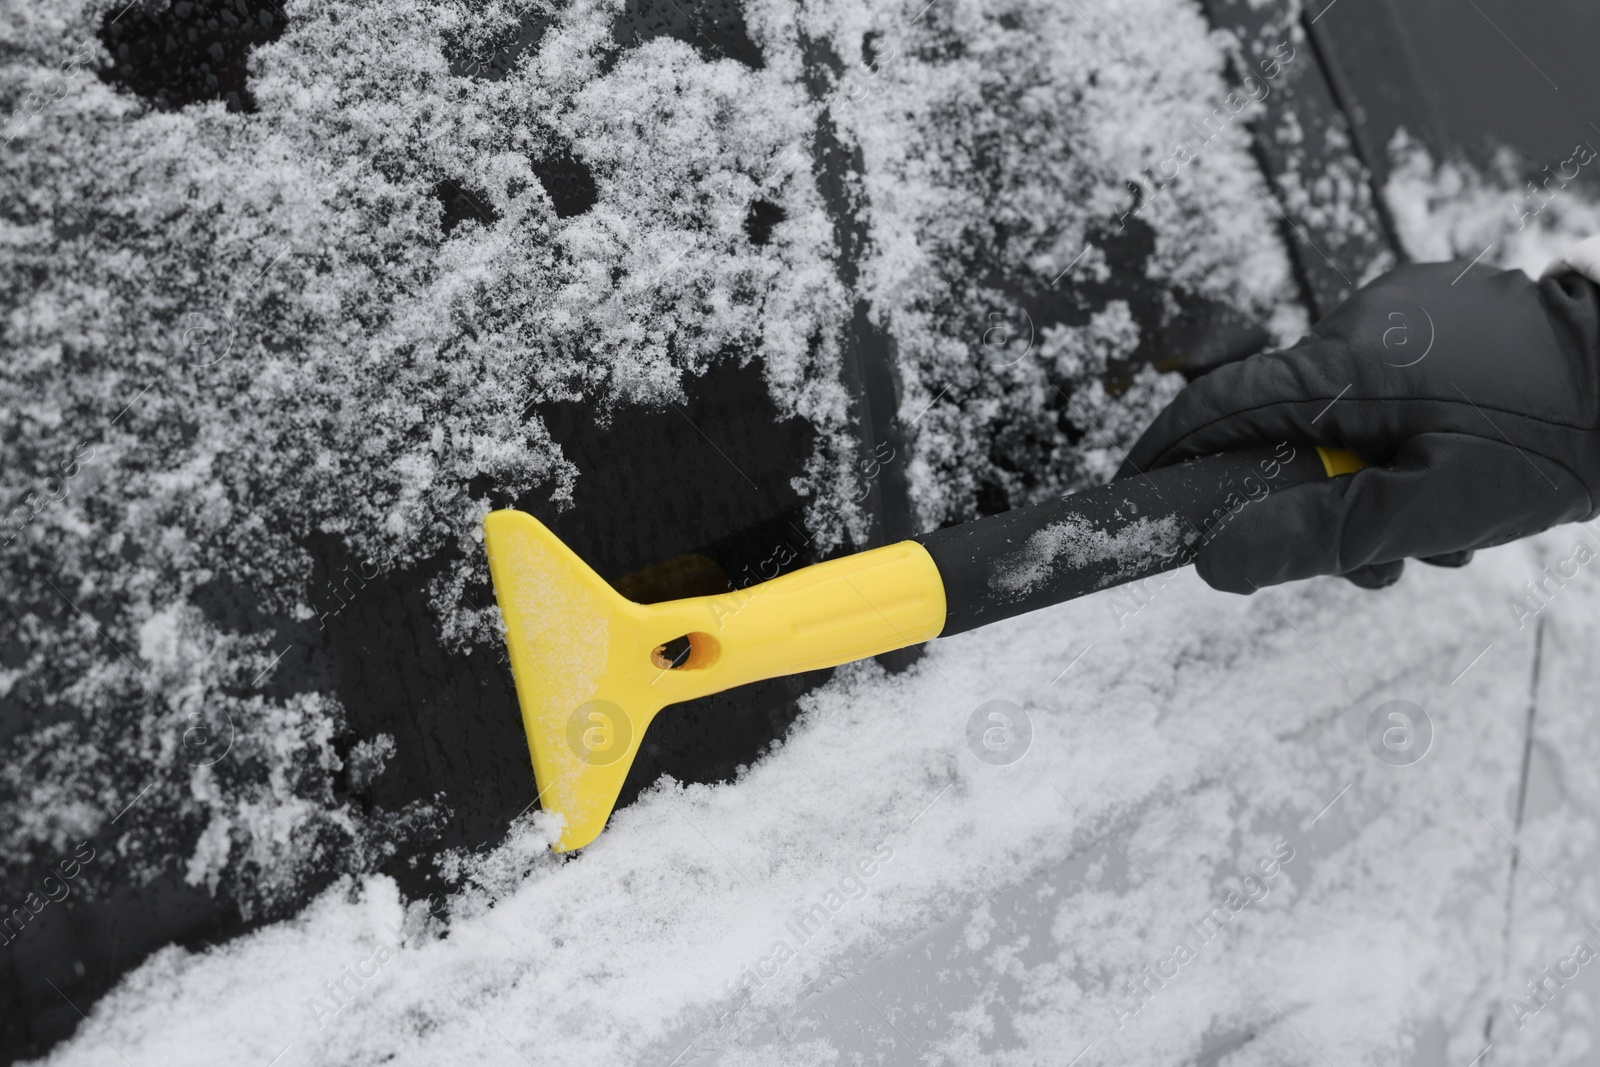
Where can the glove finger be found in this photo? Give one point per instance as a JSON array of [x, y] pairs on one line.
[[1221, 335], [1443, 493], [1376, 575], [1268, 397], [1381, 364], [1450, 559]]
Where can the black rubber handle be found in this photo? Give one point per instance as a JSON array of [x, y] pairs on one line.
[[1129, 529]]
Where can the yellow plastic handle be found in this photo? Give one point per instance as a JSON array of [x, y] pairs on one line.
[[588, 665], [1337, 461]]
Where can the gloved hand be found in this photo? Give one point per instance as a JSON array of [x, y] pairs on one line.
[[1474, 397]]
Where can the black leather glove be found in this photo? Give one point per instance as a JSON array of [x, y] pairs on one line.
[[1475, 397]]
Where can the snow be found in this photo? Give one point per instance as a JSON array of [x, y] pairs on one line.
[[1000, 912], [1007, 139], [286, 345], [1446, 209], [1076, 544]]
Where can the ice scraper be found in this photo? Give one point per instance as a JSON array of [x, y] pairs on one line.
[[592, 668]]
